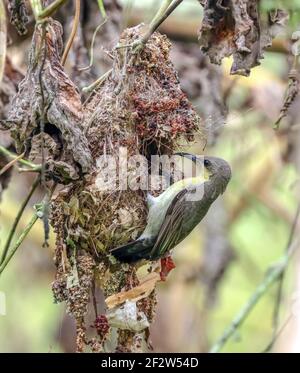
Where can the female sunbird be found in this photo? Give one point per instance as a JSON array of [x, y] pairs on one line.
[[175, 213]]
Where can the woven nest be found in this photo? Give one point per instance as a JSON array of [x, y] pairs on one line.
[[141, 108]]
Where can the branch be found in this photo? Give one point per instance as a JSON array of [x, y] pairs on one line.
[[92, 47], [17, 219], [3, 35], [163, 13], [10, 164], [102, 8], [73, 32], [38, 214], [272, 275], [47, 12], [164, 6], [34, 167], [37, 8], [97, 82], [280, 284], [19, 242]]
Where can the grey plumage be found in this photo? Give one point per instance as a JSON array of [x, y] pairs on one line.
[[174, 214]]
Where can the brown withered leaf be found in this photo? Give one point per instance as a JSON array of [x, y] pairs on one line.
[[48, 100], [8, 87], [18, 15], [294, 80], [5, 177], [234, 28], [146, 286]]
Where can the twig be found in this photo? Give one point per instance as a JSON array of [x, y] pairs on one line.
[[3, 35], [272, 275], [280, 283], [163, 13], [102, 8], [24, 162], [293, 86], [96, 83], [27, 229], [92, 47], [47, 12], [18, 243], [10, 164], [17, 219], [277, 334], [37, 8], [73, 32], [164, 6]]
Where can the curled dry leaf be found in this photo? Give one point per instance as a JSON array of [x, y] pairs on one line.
[[8, 89], [48, 102], [234, 28], [18, 15], [294, 80], [143, 290]]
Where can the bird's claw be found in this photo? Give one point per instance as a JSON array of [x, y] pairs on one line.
[[135, 47], [166, 266]]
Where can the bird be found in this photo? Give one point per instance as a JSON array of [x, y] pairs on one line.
[[174, 214]]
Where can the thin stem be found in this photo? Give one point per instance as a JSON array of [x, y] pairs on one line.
[[47, 12], [164, 6], [159, 18], [280, 282], [272, 275], [32, 166], [101, 8], [37, 8], [92, 47], [73, 32], [3, 36], [10, 164], [17, 219], [18, 242], [97, 82], [26, 230]]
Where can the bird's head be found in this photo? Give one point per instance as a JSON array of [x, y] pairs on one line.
[[218, 169]]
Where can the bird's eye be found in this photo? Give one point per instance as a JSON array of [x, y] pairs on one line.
[[206, 163]]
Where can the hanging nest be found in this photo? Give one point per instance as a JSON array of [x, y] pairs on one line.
[[139, 110]]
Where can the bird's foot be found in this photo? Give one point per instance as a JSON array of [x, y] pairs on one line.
[[166, 266], [131, 279], [135, 47]]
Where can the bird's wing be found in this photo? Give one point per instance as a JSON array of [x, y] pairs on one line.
[[170, 231]]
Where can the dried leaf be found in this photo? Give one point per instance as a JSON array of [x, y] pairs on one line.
[[48, 98], [8, 87], [18, 15], [233, 28], [141, 291], [294, 80]]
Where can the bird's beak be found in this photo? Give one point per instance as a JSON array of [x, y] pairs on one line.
[[197, 160], [192, 157]]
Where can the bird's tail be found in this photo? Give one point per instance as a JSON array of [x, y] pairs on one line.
[[131, 252]]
